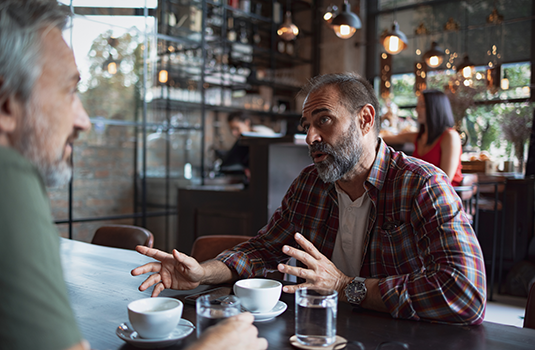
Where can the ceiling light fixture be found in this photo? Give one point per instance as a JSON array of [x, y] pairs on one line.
[[435, 56], [394, 41], [330, 13], [288, 31], [466, 68], [504, 83], [346, 23]]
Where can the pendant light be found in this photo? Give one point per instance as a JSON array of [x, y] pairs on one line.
[[435, 56], [466, 68], [330, 13], [346, 23], [288, 31], [395, 41], [504, 83]]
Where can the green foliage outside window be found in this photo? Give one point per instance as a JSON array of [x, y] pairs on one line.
[[486, 124]]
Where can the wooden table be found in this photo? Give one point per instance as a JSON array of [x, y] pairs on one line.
[[100, 287]]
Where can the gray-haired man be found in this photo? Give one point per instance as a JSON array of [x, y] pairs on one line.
[[40, 117]]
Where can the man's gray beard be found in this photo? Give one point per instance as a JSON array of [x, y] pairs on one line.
[[54, 170], [342, 158]]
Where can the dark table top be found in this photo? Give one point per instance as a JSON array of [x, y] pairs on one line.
[[100, 287]]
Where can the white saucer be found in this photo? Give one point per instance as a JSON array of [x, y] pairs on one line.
[[279, 308], [129, 335]]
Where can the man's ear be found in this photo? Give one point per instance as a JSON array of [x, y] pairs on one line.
[[367, 118], [11, 110]]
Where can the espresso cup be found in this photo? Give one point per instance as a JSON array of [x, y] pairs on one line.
[[155, 318], [258, 294]]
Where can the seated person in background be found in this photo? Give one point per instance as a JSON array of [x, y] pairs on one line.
[[385, 230], [240, 123], [236, 160], [436, 142], [40, 117]]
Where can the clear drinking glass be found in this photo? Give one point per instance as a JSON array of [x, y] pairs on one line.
[[212, 309], [315, 316]]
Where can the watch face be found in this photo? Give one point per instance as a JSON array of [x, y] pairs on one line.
[[356, 291]]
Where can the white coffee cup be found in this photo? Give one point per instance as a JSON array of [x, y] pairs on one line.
[[155, 318], [258, 294]]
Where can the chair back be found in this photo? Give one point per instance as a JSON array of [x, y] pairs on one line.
[[208, 247], [123, 236], [529, 317], [468, 187]]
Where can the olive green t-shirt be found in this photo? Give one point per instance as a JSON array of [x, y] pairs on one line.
[[34, 306]]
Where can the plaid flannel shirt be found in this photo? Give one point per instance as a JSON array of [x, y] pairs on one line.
[[419, 242]]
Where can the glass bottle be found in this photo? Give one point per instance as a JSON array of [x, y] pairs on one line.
[[231, 33]]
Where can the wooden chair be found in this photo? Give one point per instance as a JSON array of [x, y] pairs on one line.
[[123, 236], [491, 198], [208, 247], [467, 191], [529, 317]]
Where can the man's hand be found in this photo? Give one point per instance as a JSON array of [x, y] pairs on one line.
[[176, 271], [321, 272], [235, 333]]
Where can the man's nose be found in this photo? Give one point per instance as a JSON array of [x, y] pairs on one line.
[[312, 136], [81, 119]]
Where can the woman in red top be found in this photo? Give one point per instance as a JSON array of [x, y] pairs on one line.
[[436, 142]]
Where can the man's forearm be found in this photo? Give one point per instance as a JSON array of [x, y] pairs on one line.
[[373, 300], [217, 272]]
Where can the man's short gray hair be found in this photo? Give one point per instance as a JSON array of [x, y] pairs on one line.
[[22, 23], [355, 92]]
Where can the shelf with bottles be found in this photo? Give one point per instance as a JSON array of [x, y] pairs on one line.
[[262, 101], [181, 19]]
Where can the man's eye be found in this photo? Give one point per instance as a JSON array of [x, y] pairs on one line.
[[324, 120], [305, 127]]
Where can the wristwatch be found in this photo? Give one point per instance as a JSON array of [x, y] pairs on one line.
[[356, 291]]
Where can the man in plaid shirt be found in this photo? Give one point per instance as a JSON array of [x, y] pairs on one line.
[[387, 231]]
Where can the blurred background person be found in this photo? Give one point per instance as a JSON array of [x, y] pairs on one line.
[[437, 142], [240, 123]]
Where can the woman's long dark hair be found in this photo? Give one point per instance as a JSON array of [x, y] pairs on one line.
[[438, 115]]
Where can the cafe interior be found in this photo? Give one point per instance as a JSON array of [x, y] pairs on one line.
[[159, 79]]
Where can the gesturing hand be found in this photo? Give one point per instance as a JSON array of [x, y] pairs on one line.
[[321, 272], [176, 271]]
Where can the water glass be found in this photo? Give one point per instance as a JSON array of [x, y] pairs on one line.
[[212, 309], [315, 316]]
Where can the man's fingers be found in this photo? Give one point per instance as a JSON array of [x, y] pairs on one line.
[[184, 259], [294, 288], [300, 255], [307, 246], [153, 253], [150, 281], [157, 290], [262, 344], [245, 317], [297, 271], [149, 267]]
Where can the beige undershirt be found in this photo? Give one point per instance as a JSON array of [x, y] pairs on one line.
[[353, 222]]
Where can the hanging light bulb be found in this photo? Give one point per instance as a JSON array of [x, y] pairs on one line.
[[435, 56], [163, 76], [504, 84], [466, 68], [112, 67], [346, 23], [330, 13], [288, 31], [395, 41]]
